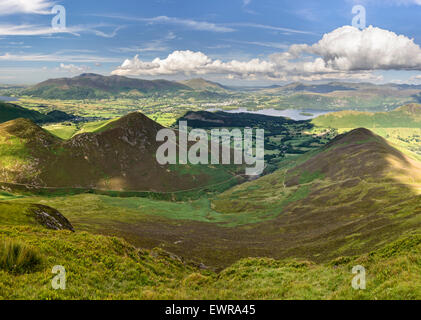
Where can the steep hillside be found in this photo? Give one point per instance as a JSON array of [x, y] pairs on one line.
[[353, 161], [94, 86], [119, 156], [352, 195], [100, 267], [110, 268], [359, 154], [357, 201]]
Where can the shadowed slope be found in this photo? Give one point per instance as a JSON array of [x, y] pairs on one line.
[[359, 154], [9, 111]]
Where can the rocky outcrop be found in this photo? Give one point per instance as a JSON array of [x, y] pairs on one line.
[[50, 217]]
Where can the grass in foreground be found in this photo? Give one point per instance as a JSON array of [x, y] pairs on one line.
[[18, 258], [101, 267]]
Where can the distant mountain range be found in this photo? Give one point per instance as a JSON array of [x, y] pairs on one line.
[[95, 86], [327, 96], [115, 84], [91, 86], [338, 86]]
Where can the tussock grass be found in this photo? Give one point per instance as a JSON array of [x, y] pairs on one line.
[[18, 258]]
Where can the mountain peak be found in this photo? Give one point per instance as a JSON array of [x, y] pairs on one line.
[[202, 84], [19, 125], [136, 121], [88, 75], [28, 130], [355, 136], [360, 154]]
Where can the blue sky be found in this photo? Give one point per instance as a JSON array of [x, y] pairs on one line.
[[231, 41]]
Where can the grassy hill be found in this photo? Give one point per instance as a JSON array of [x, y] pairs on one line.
[[354, 194], [9, 111], [202, 84], [352, 161], [119, 155], [94, 86]]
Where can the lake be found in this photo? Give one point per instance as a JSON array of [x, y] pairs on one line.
[[9, 99], [288, 113]]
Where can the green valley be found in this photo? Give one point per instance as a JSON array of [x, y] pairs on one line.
[[339, 190]]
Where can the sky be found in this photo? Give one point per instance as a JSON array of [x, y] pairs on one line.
[[235, 42]]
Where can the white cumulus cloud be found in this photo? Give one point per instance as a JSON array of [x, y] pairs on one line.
[[25, 6], [189, 62], [346, 52], [351, 49]]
